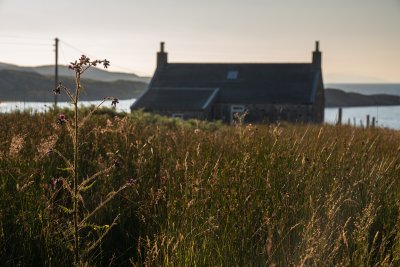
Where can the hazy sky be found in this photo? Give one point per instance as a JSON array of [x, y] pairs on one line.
[[360, 39]]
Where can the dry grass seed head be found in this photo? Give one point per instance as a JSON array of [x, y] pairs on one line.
[[17, 143], [46, 145]]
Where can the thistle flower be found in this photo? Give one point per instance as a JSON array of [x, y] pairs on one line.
[[61, 119], [106, 63], [117, 163], [84, 60], [76, 66], [114, 102], [57, 90], [56, 183]]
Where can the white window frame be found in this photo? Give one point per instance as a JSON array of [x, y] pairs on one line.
[[177, 116]]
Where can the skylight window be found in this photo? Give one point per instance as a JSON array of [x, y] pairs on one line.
[[232, 75]]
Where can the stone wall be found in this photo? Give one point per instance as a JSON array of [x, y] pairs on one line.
[[267, 113]]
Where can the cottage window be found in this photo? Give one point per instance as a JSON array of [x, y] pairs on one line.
[[177, 116], [237, 108], [232, 75]]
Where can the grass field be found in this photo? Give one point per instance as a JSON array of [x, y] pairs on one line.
[[200, 194]]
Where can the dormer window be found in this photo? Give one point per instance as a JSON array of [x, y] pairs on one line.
[[232, 75]]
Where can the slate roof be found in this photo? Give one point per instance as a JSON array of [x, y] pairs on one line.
[[256, 83], [177, 99]]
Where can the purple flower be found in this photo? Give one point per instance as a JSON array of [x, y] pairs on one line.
[[61, 119], [106, 63], [114, 102], [117, 163], [57, 90], [84, 60], [56, 183]]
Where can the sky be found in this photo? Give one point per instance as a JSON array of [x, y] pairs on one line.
[[360, 39]]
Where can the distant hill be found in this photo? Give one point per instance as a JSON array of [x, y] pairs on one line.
[[367, 88], [17, 85], [92, 73], [36, 84], [339, 98]]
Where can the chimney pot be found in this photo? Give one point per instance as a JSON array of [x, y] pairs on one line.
[[162, 57], [317, 56]]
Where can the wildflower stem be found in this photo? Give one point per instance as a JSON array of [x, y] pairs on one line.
[[70, 166], [102, 204], [94, 177], [73, 130], [69, 94], [94, 245], [91, 112], [75, 189]]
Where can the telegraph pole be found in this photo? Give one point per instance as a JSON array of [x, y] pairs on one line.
[[56, 71]]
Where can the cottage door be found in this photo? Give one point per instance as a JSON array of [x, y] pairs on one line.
[[237, 112]]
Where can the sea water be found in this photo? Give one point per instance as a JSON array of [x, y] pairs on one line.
[[385, 116], [7, 107]]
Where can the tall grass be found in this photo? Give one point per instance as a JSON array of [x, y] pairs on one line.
[[205, 194]]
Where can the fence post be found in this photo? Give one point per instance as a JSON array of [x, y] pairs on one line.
[[339, 122]]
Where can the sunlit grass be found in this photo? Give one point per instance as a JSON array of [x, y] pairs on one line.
[[206, 194]]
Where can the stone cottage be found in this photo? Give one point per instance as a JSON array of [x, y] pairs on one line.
[[266, 92]]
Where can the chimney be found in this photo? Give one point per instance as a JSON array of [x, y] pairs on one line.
[[317, 56], [162, 57]]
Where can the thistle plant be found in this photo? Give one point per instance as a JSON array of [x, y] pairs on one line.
[[75, 184]]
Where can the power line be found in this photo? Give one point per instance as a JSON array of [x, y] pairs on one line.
[[14, 40], [23, 37], [92, 56], [65, 59], [124, 68], [7, 40], [75, 48], [30, 44]]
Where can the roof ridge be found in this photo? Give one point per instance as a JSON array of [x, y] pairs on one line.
[[239, 63]]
